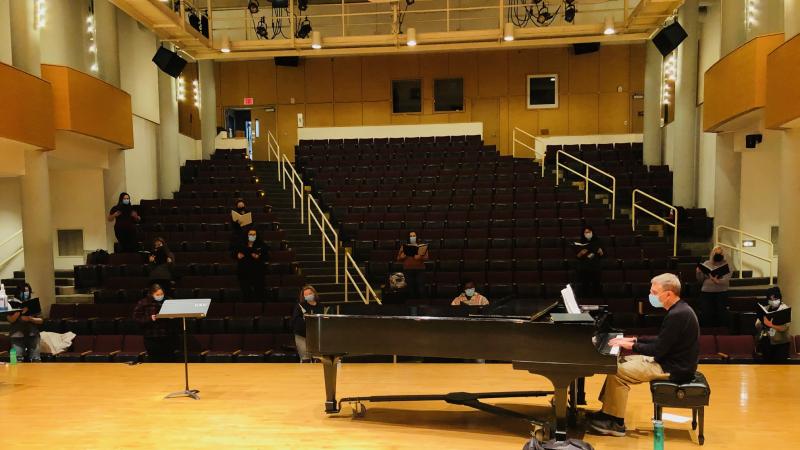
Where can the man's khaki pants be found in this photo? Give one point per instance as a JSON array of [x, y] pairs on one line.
[[633, 369]]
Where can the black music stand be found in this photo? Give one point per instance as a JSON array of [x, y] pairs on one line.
[[182, 309]]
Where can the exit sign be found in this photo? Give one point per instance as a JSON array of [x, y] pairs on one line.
[[248, 100]]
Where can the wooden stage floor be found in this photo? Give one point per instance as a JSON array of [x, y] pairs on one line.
[[280, 406]]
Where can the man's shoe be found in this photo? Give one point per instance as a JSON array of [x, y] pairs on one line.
[[607, 427]]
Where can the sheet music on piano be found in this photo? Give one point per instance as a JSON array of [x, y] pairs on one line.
[[569, 300]]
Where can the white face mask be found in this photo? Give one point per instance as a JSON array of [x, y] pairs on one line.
[[158, 298], [588, 236], [469, 292], [251, 238], [412, 240], [309, 298], [774, 303]]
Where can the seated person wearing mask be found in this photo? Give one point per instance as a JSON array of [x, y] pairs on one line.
[[673, 355], [24, 329], [773, 340], [308, 303], [470, 296]]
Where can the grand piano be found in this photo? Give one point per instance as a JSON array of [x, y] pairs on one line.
[[561, 347]]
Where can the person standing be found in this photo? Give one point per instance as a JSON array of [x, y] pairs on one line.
[[414, 265], [160, 335], [251, 268], [161, 260], [773, 340], [125, 218], [308, 303], [673, 355], [24, 329], [590, 252], [239, 230], [714, 292]]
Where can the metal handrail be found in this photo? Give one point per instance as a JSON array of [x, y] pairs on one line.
[[770, 259], [298, 187], [324, 224], [538, 155], [587, 178], [348, 278], [674, 210], [16, 252], [273, 148]]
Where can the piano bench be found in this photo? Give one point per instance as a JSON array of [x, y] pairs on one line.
[[694, 395]]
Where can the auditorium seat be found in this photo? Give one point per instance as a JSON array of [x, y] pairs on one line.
[[736, 349], [132, 349], [106, 347], [255, 347], [224, 347], [81, 346]]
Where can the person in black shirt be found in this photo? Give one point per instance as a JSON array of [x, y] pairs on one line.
[[673, 355], [251, 256], [24, 328], [160, 335], [161, 260], [308, 303], [590, 252], [125, 218]]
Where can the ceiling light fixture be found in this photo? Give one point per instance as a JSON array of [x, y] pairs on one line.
[[608, 28], [316, 40], [508, 32], [225, 47], [411, 37]]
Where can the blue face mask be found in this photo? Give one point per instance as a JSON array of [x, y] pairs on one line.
[[655, 301], [126, 201], [26, 295], [251, 238], [469, 292]]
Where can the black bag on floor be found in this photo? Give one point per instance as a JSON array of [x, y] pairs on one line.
[[97, 257]]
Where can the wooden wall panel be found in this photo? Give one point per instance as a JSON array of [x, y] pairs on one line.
[[636, 66], [188, 113], [375, 78], [465, 65], [319, 115], [433, 66], [404, 66], [583, 73], [291, 86], [783, 90], [555, 122], [377, 113], [30, 97], [614, 68], [492, 74], [583, 116], [233, 83], [262, 82], [347, 79], [405, 119], [487, 110], [287, 128], [521, 63], [555, 60], [520, 116], [319, 80], [348, 114], [614, 113]]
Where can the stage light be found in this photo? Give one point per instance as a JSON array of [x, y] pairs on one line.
[[181, 89], [196, 88], [508, 32], [316, 40], [253, 6], [302, 5], [608, 28], [305, 29], [225, 47], [569, 11], [411, 37], [261, 28]]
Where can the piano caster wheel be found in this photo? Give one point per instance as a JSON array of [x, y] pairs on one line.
[[359, 410]]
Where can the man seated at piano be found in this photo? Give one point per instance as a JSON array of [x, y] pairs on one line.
[[673, 354], [470, 297]]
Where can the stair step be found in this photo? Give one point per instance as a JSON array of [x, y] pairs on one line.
[[60, 273], [75, 298], [328, 270], [65, 290]]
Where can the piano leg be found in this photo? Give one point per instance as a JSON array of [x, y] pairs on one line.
[[330, 365], [560, 403]]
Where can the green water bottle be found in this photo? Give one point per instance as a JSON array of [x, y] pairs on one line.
[[12, 356], [658, 435]]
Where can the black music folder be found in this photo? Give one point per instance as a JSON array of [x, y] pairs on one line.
[[778, 317], [414, 250], [719, 272], [33, 305]]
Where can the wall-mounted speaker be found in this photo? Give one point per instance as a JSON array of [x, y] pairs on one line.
[[585, 47], [169, 62], [669, 38], [287, 61], [752, 140]]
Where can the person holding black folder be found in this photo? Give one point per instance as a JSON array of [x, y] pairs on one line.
[[251, 256], [161, 260], [589, 252], [413, 255], [24, 325], [715, 274], [160, 335], [772, 329]]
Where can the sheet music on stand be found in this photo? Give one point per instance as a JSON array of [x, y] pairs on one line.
[[569, 300]]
